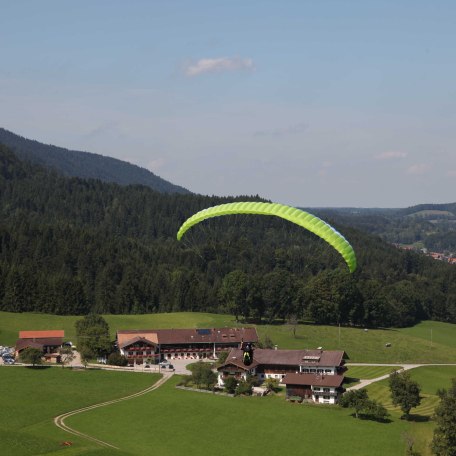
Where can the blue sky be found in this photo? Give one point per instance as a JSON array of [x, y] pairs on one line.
[[309, 103]]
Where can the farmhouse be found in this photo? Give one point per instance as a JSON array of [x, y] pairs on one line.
[[310, 374], [151, 345], [47, 341]]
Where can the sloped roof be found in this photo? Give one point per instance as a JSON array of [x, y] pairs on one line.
[[191, 336], [41, 334], [123, 337], [22, 344], [135, 340], [38, 343], [313, 380], [323, 358]]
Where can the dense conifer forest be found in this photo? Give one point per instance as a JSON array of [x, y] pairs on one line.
[[74, 246]]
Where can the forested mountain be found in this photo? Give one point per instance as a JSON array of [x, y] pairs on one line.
[[431, 226], [85, 164], [71, 246]]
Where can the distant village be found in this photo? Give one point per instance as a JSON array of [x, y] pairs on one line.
[[445, 257]]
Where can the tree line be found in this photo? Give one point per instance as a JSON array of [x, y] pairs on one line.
[[75, 246]]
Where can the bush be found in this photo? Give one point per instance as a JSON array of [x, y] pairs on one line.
[[244, 388], [230, 385], [116, 359]]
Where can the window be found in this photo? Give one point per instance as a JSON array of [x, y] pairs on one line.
[[317, 389], [328, 371], [326, 390], [326, 397]]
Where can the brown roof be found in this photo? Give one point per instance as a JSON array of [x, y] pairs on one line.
[[21, 344], [135, 340], [191, 336], [38, 343], [261, 356], [126, 336], [41, 334], [313, 380]]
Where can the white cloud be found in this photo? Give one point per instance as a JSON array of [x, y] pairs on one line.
[[218, 65], [155, 165], [391, 155], [418, 168]]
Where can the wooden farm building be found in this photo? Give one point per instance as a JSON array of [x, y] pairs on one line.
[[316, 375], [152, 345], [48, 342]]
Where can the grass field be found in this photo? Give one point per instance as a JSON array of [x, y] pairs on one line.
[[170, 422], [173, 422], [441, 333], [368, 372], [31, 398], [409, 345], [430, 378]]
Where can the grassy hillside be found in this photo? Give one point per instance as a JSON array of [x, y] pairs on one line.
[[408, 345], [33, 397]]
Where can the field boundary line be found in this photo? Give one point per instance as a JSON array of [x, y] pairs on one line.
[[59, 420]]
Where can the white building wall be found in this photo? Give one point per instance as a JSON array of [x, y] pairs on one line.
[[324, 397]]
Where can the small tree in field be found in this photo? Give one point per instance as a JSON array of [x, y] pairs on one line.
[[405, 392], [355, 399], [31, 356]]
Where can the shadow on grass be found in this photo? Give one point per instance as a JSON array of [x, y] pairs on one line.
[[371, 418], [351, 381], [417, 418], [38, 367]]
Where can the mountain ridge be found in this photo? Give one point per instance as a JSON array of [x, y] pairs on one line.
[[86, 165]]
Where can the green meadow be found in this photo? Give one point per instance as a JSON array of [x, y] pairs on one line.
[[31, 398], [407, 345], [170, 422], [430, 378]]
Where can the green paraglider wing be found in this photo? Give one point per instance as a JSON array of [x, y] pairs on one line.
[[301, 218]]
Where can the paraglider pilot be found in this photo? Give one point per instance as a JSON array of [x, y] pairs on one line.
[[247, 357]]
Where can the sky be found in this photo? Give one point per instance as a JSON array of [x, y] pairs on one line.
[[318, 103]]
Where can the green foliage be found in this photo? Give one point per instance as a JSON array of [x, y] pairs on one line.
[[355, 399], [92, 333], [363, 406], [86, 165], [230, 384], [203, 375], [444, 441], [265, 342], [116, 359], [405, 392], [31, 355], [244, 388], [272, 384], [74, 246]]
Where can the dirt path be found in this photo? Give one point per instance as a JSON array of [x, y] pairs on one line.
[[59, 421]]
